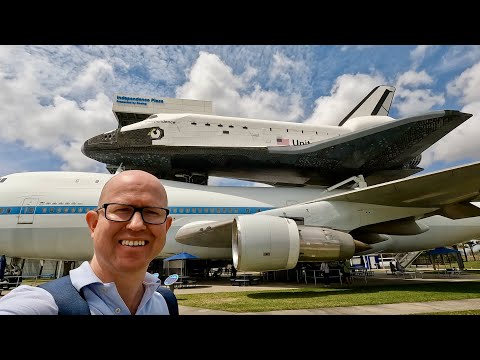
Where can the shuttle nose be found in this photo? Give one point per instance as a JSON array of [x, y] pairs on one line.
[[95, 146]]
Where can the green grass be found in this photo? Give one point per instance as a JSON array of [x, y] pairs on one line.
[[310, 298], [472, 264]]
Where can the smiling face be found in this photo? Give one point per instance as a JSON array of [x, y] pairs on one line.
[[127, 247]]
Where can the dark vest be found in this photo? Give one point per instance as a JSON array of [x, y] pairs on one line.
[[72, 302]]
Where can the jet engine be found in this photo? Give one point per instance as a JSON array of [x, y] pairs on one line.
[[264, 243]]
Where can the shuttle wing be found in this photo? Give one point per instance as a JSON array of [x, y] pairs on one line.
[[381, 147], [447, 192]]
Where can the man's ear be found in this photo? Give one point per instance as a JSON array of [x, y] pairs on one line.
[[92, 220], [168, 223]]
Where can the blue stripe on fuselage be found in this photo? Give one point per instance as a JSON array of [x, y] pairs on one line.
[[174, 210]]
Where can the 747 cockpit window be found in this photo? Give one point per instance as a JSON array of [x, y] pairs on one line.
[[152, 116]]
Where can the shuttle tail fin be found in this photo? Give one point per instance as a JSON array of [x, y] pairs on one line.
[[377, 102]]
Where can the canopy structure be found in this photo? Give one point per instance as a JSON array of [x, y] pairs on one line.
[[441, 251], [183, 257]]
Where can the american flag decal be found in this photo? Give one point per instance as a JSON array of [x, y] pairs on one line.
[[282, 141]]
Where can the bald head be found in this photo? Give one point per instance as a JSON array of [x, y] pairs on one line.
[[133, 183], [123, 249]]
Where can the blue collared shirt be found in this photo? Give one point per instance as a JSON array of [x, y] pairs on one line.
[[102, 298]]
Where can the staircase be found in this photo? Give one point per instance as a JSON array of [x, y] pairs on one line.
[[406, 259]]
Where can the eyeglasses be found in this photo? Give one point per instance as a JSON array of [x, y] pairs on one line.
[[122, 213]]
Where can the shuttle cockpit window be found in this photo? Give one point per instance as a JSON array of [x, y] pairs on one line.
[[2, 179]]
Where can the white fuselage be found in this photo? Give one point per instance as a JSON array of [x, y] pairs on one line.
[[224, 131], [42, 215]]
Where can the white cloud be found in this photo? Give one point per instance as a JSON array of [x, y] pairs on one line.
[[459, 56], [413, 79], [237, 95], [34, 112], [90, 80], [418, 54], [462, 142], [287, 72], [414, 102], [467, 85], [347, 91]]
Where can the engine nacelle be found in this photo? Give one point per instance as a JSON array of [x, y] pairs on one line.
[[265, 243]]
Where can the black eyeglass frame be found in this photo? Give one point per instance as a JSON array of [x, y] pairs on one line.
[[135, 209]]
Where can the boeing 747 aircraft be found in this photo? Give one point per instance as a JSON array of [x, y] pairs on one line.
[[192, 147], [42, 216]]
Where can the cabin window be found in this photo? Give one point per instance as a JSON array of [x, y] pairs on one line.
[[245, 127], [287, 130], [207, 124], [220, 125], [302, 131], [230, 126], [226, 132], [96, 181], [194, 123]]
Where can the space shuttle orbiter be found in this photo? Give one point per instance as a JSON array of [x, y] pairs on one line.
[[194, 146]]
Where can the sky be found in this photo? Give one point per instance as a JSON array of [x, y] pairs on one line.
[[54, 97]]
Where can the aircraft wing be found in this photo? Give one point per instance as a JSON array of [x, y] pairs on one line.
[[387, 146], [447, 192]]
